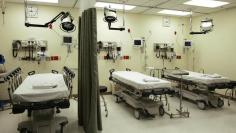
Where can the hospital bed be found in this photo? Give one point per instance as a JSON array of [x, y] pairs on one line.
[[199, 87], [41, 95], [142, 92]]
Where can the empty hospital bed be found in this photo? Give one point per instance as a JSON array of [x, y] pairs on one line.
[[142, 92], [41, 95], [199, 87]]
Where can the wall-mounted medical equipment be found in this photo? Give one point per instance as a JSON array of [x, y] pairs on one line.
[[138, 42], [164, 51], [31, 50], [68, 41], [206, 26], [113, 50], [110, 17], [187, 45], [66, 21]]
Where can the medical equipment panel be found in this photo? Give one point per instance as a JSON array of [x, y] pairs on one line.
[[113, 50], [164, 51], [67, 40]]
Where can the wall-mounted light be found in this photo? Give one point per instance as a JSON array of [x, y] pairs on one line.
[[207, 25]]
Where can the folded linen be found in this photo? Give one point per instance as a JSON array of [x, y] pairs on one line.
[[151, 80]]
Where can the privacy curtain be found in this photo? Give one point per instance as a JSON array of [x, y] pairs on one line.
[[89, 111]]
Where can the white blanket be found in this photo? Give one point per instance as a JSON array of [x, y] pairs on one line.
[[41, 87], [204, 78], [136, 80]]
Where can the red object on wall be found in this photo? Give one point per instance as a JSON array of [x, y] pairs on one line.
[[129, 30], [54, 57], [126, 57], [178, 57]]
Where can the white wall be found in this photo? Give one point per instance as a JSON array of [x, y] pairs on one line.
[[14, 29], [85, 4], [215, 52], [141, 26]]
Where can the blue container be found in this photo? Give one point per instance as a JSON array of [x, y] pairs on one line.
[[2, 59]]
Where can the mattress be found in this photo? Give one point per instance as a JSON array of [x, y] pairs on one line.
[[203, 78], [137, 80], [41, 88]]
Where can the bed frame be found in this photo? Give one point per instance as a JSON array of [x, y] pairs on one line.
[[203, 94], [140, 99], [42, 113]]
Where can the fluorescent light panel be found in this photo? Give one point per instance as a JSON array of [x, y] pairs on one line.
[[115, 6], [45, 1], [175, 12], [206, 3]]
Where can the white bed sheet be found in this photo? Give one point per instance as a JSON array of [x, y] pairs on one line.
[[136, 80], [202, 78], [27, 93]]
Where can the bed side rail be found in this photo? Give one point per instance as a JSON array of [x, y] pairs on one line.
[[14, 79], [165, 70], [69, 76], [111, 71]]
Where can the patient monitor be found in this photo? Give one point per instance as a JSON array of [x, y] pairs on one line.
[[138, 42]]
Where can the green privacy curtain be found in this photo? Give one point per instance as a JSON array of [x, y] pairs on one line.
[[89, 111]]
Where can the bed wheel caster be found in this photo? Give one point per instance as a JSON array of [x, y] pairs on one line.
[[29, 113], [137, 114], [161, 111], [220, 103], [58, 111], [23, 131], [62, 126], [118, 99], [201, 105]]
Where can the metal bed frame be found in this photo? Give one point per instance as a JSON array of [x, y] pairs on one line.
[[42, 113], [203, 94], [145, 102]]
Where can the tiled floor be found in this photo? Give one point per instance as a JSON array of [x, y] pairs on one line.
[[121, 120]]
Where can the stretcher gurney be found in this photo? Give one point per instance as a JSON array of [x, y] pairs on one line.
[[41, 95], [141, 91], [199, 87]]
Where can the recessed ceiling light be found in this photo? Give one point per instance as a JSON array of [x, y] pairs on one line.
[[115, 6], [206, 3], [45, 1], [175, 12]]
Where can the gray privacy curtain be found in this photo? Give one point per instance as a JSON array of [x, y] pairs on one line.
[[89, 111]]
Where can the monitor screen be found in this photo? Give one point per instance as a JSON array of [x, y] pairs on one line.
[[137, 42], [188, 43], [67, 39]]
